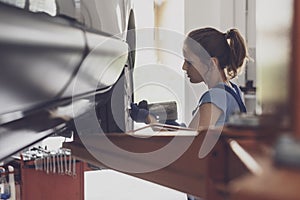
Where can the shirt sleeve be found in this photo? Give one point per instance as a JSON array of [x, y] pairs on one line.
[[215, 96]]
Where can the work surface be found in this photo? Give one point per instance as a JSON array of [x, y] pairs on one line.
[[172, 158]]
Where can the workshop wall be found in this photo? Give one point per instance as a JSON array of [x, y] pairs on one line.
[[222, 15]]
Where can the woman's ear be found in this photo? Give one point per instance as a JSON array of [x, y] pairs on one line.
[[214, 63]]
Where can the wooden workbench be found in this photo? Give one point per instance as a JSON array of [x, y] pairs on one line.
[[207, 177]]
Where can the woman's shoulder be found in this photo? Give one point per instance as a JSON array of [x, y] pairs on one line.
[[217, 95], [214, 93]]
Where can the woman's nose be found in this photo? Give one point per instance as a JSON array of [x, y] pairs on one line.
[[184, 67]]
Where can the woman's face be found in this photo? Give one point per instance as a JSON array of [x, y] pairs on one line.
[[195, 69]]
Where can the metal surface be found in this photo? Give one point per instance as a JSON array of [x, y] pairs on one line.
[[44, 62], [38, 55], [17, 135], [101, 67]]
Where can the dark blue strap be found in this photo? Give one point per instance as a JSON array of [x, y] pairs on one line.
[[236, 95]]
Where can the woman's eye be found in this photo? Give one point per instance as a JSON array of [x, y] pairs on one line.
[[188, 63]]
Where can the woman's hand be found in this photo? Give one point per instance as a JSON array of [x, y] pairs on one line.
[[140, 112]]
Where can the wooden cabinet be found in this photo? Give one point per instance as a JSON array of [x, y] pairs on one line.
[[38, 184]]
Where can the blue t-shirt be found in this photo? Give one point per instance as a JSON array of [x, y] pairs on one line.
[[223, 100]]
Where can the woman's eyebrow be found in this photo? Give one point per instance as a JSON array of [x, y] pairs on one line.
[[188, 62]]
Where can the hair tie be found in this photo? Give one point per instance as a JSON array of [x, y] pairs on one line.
[[228, 34]]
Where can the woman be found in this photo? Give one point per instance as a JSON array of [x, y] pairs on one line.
[[214, 58]]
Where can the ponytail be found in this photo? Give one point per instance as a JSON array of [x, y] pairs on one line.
[[238, 52]]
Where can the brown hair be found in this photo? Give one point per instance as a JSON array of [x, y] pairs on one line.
[[229, 48]]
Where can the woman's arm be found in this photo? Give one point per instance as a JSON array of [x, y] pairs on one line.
[[207, 115], [150, 119]]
